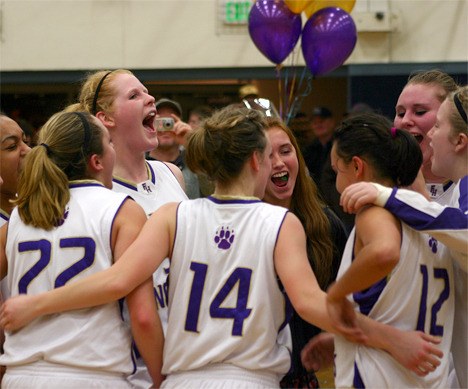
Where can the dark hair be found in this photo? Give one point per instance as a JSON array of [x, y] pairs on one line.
[[226, 140], [394, 154]]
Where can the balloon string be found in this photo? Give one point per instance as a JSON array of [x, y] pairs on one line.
[[280, 93]]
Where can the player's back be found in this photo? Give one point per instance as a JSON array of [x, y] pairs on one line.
[[416, 295], [40, 260], [225, 304]]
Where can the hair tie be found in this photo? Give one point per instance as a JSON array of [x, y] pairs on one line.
[[393, 131], [459, 106], [96, 93], [87, 131], [46, 146]]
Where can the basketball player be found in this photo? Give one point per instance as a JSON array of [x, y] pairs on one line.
[[67, 225], [392, 273]]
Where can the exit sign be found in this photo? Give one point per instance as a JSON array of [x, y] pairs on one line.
[[236, 11]]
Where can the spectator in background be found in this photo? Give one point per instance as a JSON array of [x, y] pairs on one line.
[[315, 155], [28, 131], [317, 158], [300, 125], [198, 114], [169, 150], [196, 117]]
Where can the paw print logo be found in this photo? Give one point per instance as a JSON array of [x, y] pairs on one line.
[[224, 238], [62, 220], [433, 244]]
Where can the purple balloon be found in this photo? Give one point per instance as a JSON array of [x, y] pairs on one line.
[[328, 39], [274, 29]]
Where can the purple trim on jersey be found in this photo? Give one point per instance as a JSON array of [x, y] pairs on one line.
[[288, 308], [463, 199], [115, 216], [449, 218], [232, 201], [446, 186], [126, 184], [165, 164], [151, 174], [357, 380], [4, 216], [367, 298], [175, 233], [72, 185]]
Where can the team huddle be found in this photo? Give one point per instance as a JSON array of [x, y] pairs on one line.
[[234, 289]]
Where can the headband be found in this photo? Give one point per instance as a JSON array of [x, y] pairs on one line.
[[87, 131], [459, 106], [96, 93]]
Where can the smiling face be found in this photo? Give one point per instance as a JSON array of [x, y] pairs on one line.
[[265, 170], [416, 112], [12, 153], [132, 115], [345, 173], [443, 142], [107, 156], [284, 168]]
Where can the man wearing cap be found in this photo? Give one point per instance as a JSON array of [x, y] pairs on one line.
[[170, 147], [317, 159], [315, 155]]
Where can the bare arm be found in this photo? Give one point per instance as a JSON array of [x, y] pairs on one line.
[[177, 173], [144, 318], [147, 329], [299, 280], [136, 265]]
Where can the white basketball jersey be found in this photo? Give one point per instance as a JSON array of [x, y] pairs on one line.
[[162, 187], [39, 260], [417, 295], [225, 305], [450, 226], [5, 293]]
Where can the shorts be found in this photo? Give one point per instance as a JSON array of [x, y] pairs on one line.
[[221, 376], [42, 375]]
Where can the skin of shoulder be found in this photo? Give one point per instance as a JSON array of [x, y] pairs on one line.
[[177, 173]]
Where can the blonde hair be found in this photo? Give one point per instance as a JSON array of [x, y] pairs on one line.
[[225, 141], [97, 86], [457, 123], [434, 77], [66, 142], [307, 206]]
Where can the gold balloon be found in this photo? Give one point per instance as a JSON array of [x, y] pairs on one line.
[[315, 5], [297, 6]]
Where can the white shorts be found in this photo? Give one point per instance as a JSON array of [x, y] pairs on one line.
[[42, 375], [221, 376]]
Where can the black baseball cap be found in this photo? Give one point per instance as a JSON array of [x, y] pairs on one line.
[[323, 112], [170, 104]]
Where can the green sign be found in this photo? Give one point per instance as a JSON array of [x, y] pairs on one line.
[[237, 11]]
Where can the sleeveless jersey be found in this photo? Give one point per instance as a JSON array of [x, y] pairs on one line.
[[225, 303], [39, 260], [417, 295], [162, 187], [441, 193], [3, 283], [450, 226]]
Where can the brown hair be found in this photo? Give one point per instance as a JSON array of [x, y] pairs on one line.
[[307, 206], [224, 143]]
